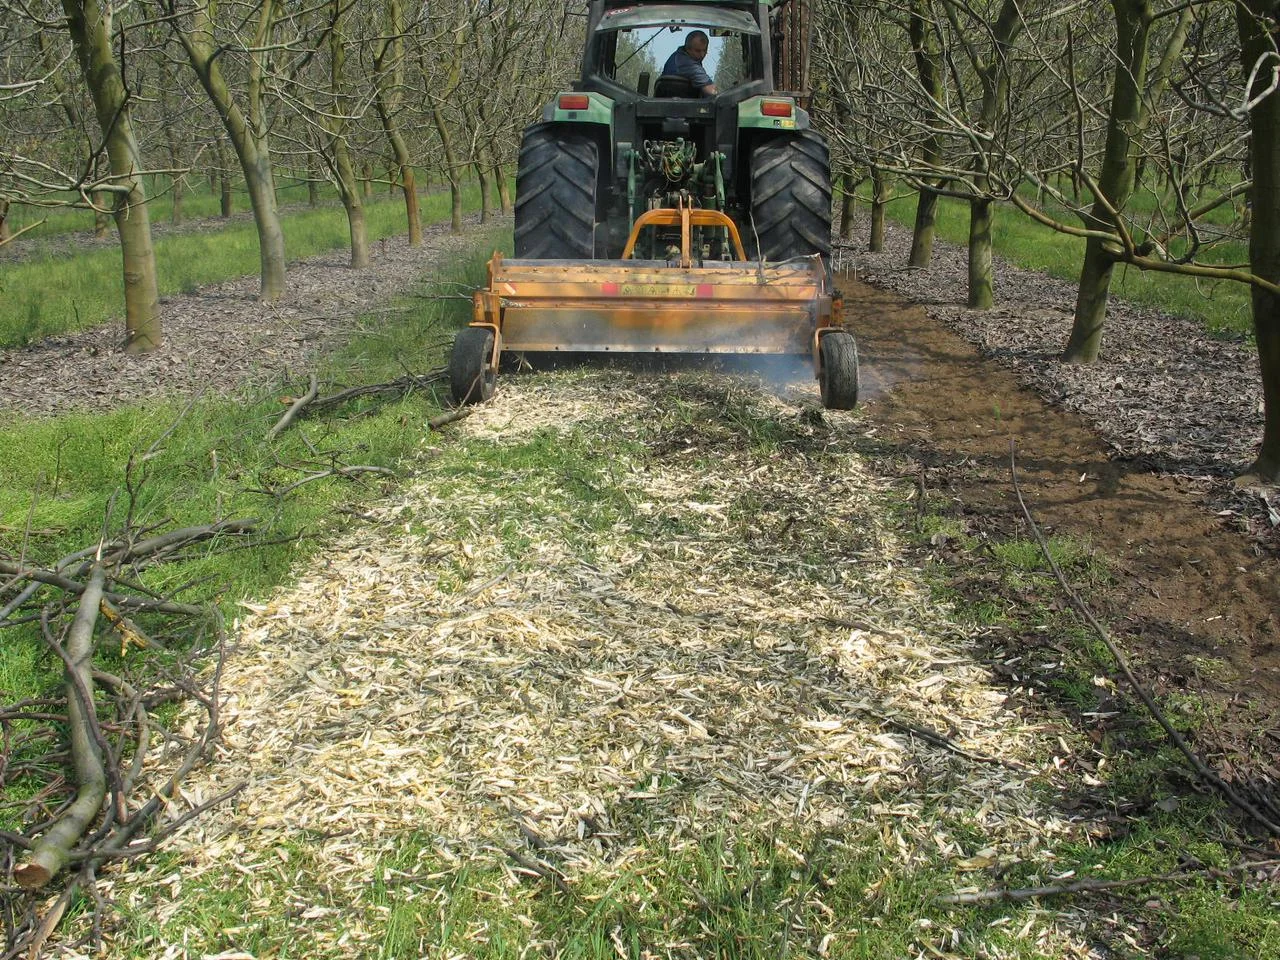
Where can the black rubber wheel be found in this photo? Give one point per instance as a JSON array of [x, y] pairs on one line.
[[791, 197], [838, 376], [556, 195], [472, 377]]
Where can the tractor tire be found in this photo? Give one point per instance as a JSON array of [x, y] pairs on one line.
[[556, 195], [472, 377], [791, 197], [838, 378]]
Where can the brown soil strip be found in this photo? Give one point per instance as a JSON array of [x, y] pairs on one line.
[[1189, 590]]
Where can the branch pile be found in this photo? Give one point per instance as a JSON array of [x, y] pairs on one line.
[[70, 765]]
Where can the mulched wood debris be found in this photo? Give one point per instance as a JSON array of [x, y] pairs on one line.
[[509, 663]]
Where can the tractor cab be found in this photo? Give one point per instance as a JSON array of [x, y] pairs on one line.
[[630, 46]]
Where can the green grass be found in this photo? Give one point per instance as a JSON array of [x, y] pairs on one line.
[[1223, 307], [198, 201], [63, 292], [741, 894]]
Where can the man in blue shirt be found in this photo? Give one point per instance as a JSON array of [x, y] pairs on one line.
[[687, 62]]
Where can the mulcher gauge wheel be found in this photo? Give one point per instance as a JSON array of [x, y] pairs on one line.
[[472, 376], [838, 375]]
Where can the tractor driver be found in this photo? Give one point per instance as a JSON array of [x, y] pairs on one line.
[[687, 62]]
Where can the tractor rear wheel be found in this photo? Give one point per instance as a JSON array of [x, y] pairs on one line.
[[791, 197], [556, 195], [472, 376], [838, 378]]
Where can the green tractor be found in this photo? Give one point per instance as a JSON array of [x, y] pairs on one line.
[[654, 215], [624, 141]]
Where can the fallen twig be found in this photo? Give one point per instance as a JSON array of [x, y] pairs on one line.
[[130, 632], [298, 405], [1092, 886], [348, 472], [131, 553], [541, 868], [1176, 738], [402, 385], [451, 416]]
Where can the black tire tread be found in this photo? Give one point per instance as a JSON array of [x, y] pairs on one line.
[[556, 195], [791, 197], [839, 379]]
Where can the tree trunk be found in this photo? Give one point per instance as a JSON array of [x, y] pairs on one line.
[[928, 68], [337, 124], [1264, 236], [102, 201], [368, 180], [848, 205], [91, 34], [175, 216], [172, 148], [6, 234], [313, 181], [451, 168], [1116, 179], [247, 131], [992, 73], [387, 101], [925, 227], [261, 184], [1128, 116], [504, 191], [485, 202], [981, 279], [352, 203], [224, 179], [879, 197]]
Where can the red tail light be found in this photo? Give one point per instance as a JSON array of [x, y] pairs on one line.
[[574, 101], [777, 108]]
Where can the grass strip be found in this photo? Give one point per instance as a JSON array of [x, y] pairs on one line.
[[63, 292], [200, 199], [731, 886]]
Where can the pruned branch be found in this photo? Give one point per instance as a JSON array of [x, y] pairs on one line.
[[1008, 895], [295, 409], [51, 853]]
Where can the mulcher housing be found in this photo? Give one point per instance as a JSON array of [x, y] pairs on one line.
[[650, 218]]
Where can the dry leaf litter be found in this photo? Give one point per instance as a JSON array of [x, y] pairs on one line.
[[505, 662]]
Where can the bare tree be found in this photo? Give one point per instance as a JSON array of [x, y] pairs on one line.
[[1259, 28], [92, 34], [247, 123], [388, 70], [1138, 87], [342, 112]]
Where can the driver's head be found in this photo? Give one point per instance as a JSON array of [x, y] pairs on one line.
[[696, 45]]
